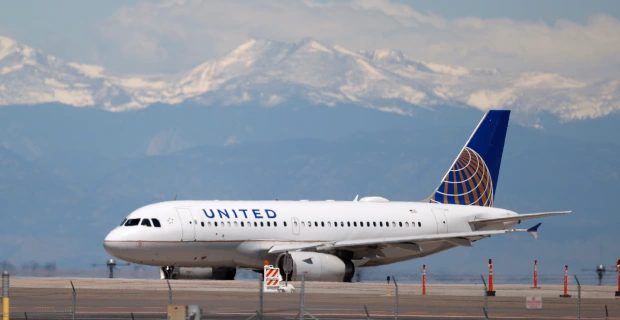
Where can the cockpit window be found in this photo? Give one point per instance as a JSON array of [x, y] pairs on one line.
[[122, 223], [156, 223], [132, 222], [146, 222]]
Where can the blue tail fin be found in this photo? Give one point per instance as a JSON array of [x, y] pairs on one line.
[[472, 179]]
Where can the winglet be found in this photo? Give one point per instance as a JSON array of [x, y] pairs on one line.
[[356, 196], [534, 230]]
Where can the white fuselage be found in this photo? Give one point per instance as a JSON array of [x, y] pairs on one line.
[[239, 234]]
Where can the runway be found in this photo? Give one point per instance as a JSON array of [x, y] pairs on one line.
[[118, 298]]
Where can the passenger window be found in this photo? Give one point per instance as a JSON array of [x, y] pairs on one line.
[[322, 224], [393, 224], [285, 223], [380, 223], [224, 224], [268, 224], [387, 224], [261, 223], [122, 223], [367, 224], [354, 223], [156, 223], [348, 223], [275, 223], [419, 224], [303, 224], [407, 224], [249, 224], [400, 224], [341, 223], [236, 224], [242, 224], [329, 223], [316, 224], [201, 223], [255, 224], [132, 222], [209, 224], [215, 223], [374, 223], [146, 222]]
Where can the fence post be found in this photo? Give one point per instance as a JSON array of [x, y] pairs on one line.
[[578, 298], [485, 308], [6, 310], [169, 292], [396, 288], [606, 313], [368, 314], [260, 296], [302, 297], [74, 300]]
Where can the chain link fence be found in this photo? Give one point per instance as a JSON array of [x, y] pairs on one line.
[[149, 299]]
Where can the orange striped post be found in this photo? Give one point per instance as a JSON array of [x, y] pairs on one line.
[[424, 280], [491, 292], [535, 276], [565, 295]]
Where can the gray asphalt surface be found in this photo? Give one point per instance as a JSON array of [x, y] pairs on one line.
[[148, 299]]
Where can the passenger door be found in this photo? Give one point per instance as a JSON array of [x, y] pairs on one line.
[[295, 223], [187, 224], [442, 222]]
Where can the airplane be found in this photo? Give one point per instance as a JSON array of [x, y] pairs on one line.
[[327, 240]]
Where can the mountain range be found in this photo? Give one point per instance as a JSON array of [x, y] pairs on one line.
[[81, 147], [270, 73]]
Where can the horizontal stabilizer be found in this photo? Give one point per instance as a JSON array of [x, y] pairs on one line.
[[520, 217], [534, 230]]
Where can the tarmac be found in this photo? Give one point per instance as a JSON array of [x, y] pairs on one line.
[[118, 298]]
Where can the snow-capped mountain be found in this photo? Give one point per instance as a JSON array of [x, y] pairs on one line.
[[269, 73], [29, 76]]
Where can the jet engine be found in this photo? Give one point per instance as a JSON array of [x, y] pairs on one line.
[[319, 267], [181, 273]]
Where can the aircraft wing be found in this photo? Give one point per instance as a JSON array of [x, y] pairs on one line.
[[520, 217], [408, 242]]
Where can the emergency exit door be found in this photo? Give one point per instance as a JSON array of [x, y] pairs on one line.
[[295, 223]]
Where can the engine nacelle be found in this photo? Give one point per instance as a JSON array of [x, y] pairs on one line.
[[319, 267], [182, 273]]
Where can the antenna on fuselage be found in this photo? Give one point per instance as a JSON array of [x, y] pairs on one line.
[[175, 198]]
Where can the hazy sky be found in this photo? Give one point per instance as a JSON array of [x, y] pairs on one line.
[[571, 37]]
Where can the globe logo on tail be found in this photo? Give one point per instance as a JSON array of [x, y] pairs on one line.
[[468, 182]]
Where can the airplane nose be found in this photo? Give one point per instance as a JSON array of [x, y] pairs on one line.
[[113, 243]]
